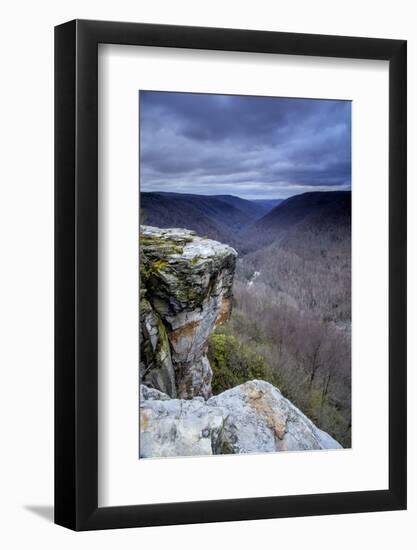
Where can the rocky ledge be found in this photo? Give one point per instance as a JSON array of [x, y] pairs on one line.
[[186, 290], [251, 418]]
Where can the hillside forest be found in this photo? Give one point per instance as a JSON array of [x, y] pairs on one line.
[[291, 316]]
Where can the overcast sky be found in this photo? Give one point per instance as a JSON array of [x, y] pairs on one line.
[[252, 147]]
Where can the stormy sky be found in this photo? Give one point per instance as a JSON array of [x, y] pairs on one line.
[[252, 147]]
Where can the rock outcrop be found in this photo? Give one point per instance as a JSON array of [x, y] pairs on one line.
[[186, 291], [251, 418]]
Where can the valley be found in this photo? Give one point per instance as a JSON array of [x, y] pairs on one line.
[[291, 305]]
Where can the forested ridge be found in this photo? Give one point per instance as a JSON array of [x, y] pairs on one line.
[[291, 308]]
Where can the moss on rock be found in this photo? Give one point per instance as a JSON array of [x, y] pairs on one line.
[[188, 283]]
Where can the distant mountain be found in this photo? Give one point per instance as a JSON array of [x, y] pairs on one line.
[[248, 225], [312, 212], [245, 207], [324, 206], [219, 217], [268, 204]]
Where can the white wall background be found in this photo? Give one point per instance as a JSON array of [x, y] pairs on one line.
[[26, 287]]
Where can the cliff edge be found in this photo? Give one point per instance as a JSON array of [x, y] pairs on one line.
[[185, 292]]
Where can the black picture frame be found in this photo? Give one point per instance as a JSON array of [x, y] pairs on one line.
[[76, 271]]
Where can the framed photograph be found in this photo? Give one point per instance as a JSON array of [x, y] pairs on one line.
[[230, 253]]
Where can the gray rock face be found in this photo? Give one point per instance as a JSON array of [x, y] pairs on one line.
[[260, 419], [186, 291], [251, 418], [156, 363], [178, 427]]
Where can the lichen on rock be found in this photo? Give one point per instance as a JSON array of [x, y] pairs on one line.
[[186, 290]]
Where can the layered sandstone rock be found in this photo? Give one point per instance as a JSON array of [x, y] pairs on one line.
[[186, 291]]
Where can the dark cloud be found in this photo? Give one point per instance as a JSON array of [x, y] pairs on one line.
[[247, 146]]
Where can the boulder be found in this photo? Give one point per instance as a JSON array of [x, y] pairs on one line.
[[260, 419], [251, 418], [186, 291], [177, 427]]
